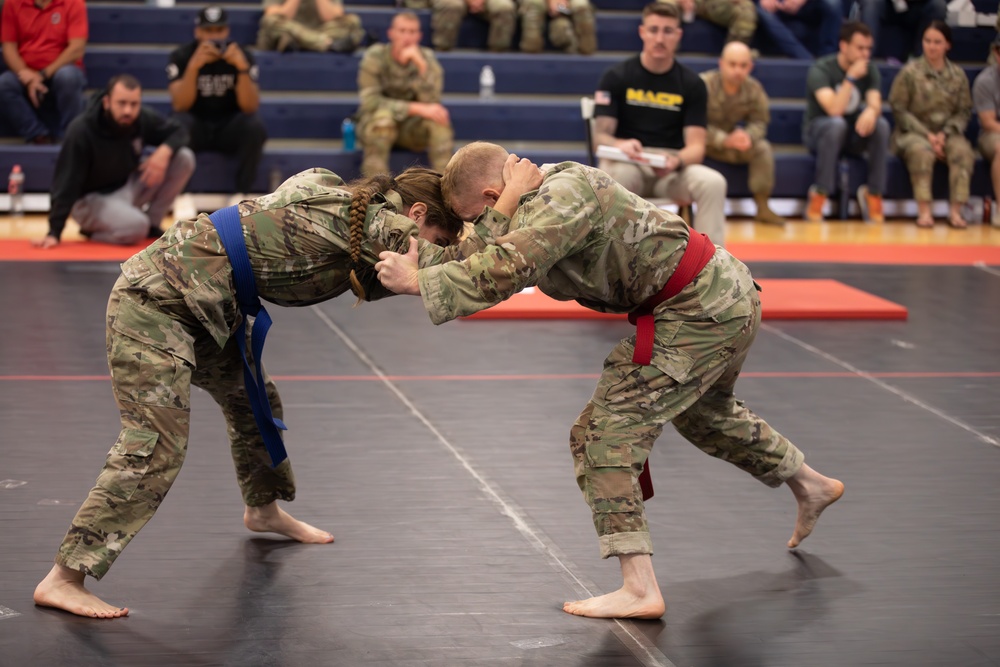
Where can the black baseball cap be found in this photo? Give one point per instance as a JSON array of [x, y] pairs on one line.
[[211, 16]]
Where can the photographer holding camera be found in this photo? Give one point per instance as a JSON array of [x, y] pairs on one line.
[[214, 92]]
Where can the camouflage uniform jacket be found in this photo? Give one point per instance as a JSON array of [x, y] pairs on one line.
[[924, 100], [750, 107], [297, 241], [580, 236], [307, 14], [384, 83]]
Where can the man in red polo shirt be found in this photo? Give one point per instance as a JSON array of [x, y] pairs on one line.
[[43, 45]]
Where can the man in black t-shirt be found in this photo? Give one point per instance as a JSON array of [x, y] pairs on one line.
[[213, 88], [844, 116], [651, 103]]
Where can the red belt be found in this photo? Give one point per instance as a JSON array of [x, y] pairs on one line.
[[699, 250]]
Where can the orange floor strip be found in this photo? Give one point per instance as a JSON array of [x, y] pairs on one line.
[[21, 250], [781, 299], [68, 251], [848, 253]]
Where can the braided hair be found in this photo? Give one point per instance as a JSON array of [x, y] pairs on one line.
[[363, 193], [416, 184]]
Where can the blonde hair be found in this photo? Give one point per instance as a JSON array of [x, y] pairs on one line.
[[472, 168], [416, 184]]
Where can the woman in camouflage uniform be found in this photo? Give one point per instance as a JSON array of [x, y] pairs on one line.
[[171, 317], [932, 104]]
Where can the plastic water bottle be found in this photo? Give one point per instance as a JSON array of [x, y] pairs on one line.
[[15, 187], [487, 83], [347, 131]]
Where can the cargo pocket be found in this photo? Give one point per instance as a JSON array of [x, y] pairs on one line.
[[151, 359], [128, 461], [631, 390], [608, 486]]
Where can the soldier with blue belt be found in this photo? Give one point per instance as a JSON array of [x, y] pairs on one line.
[[174, 320]]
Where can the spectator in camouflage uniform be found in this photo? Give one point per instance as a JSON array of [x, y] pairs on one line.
[[739, 17], [400, 87], [559, 238], [309, 25], [170, 320], [932, 104], [986, 98], [571, 25], [447, 15], [738, 114]]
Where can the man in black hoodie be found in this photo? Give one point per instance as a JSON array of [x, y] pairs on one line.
[[101, 178]]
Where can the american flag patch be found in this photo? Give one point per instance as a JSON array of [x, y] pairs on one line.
[[602, 97]]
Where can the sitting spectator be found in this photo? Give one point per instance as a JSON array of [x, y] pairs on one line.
[[844, 115], [986, 97], [652, 103], [821, 19], [400, 86], [914, 17], [213, 88], [738, 114], [932, 104], [738, 17], [43, 45], [309, 25], [447, 15], [994, 58], [571, 25], [114, 194]]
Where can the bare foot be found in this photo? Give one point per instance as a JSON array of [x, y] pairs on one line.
[[639, 597], [956, 220], [814, 493], [273, 519], [925, 221], [620, 604], [63, 588]]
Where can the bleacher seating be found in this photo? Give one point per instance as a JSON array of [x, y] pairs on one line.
[[536, 110]]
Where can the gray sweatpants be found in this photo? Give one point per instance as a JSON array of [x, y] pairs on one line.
[[126, 215]]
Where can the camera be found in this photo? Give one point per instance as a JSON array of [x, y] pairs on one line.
[[221, 44]]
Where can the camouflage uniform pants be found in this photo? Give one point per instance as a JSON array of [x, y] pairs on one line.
[[343, 34], [988, 144], [739, 17], [915, 151], [380, 132], [760, 159], [156, 351], [576, 33], [689, 383], [447, 15]]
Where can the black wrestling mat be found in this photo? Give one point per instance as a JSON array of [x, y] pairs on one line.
[[438, 458]]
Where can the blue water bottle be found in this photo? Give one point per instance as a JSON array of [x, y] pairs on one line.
[[347, 131]]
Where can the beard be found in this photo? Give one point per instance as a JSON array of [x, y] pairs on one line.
[[119, 129]]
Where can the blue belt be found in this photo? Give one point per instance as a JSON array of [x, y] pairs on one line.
[[227, 222]]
